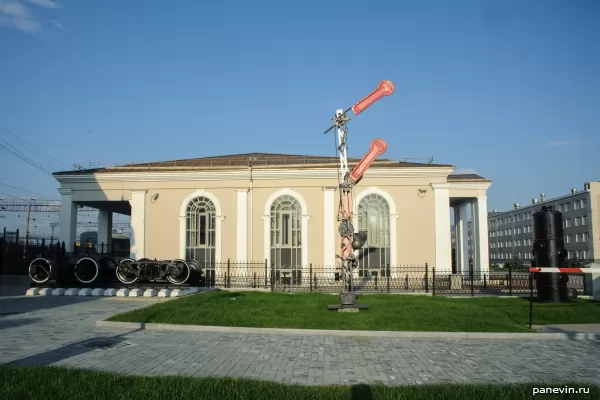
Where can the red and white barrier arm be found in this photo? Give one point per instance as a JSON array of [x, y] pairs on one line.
[[565, 270]]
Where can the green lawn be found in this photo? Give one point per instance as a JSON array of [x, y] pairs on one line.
[[51, 383], [386, 312]]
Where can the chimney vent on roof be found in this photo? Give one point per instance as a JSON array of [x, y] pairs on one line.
[[586, 186], [534, 201], [573, 191], [543, 196], [517, 206]]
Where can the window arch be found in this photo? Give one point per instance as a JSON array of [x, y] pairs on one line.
[[200, 223], [286, 240], [374, 218]]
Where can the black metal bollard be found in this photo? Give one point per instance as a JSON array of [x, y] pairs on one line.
[[549, 252]]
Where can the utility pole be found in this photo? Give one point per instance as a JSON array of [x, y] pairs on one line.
[[27, 227], [52, 225]]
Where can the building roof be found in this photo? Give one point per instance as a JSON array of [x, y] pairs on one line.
[[466, 177], [255, 160]]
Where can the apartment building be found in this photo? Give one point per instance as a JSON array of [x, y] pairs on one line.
[[511, 232]]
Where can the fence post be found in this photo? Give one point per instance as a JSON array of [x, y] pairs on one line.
[[471, 276], [266, 277], [376, 282], [433, 281], [63, 249], [510, 280], [311, 276], [228, 273], [426, 277], [484, 282], [388, 277], [272, 280]]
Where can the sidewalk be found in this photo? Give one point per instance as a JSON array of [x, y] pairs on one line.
[[54, 330], [569, 328]]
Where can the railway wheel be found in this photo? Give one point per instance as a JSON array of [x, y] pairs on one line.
[[127, 271], [40, 270], [86, 270], [179, 272]]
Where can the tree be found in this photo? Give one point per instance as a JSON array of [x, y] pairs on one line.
[[515, 263], [574, 261]]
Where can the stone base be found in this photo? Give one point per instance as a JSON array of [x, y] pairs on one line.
[[340, 307], [348, 310]]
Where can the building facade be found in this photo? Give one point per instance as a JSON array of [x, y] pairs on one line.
[[278, 208], [511, 232]]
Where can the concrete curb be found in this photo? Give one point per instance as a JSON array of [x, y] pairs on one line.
[[348, 333]]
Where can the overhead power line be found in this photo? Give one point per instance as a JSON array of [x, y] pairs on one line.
[[40, 153], [23, 190]]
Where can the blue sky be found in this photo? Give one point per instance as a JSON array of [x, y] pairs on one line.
[[507, 88]]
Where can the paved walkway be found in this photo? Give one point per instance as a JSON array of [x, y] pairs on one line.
[[53, 331]]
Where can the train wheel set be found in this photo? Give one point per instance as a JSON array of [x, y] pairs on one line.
[[127, 271]]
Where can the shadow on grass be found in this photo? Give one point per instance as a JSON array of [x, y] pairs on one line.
[[361, 392]]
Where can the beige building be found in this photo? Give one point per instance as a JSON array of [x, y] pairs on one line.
[[280, 208]]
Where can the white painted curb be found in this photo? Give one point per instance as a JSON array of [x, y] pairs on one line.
[[99, 292]]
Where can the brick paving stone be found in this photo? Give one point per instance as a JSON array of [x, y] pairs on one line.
[[52, 330]]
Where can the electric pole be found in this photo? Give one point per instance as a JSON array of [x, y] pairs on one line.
[[52, 225], [27, 227]]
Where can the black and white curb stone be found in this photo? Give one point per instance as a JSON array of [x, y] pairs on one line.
[[111, 292]]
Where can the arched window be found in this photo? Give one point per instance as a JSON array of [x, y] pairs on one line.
[[374, 218], [200, 232], [286, 240]]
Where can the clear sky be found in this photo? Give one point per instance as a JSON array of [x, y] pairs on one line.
[[507, 88]]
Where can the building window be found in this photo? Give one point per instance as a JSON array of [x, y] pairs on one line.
[[566, 208], [585, 237], [568, 223], [577, 221], [584, 254], [560, 207], [200, 233], [568, 238], [576, 205], [374, 218], [518, 217], [286, 240], [583, 203], [584, 220]]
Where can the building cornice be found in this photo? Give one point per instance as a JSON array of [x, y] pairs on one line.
[[462, 185], [272, 174]]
